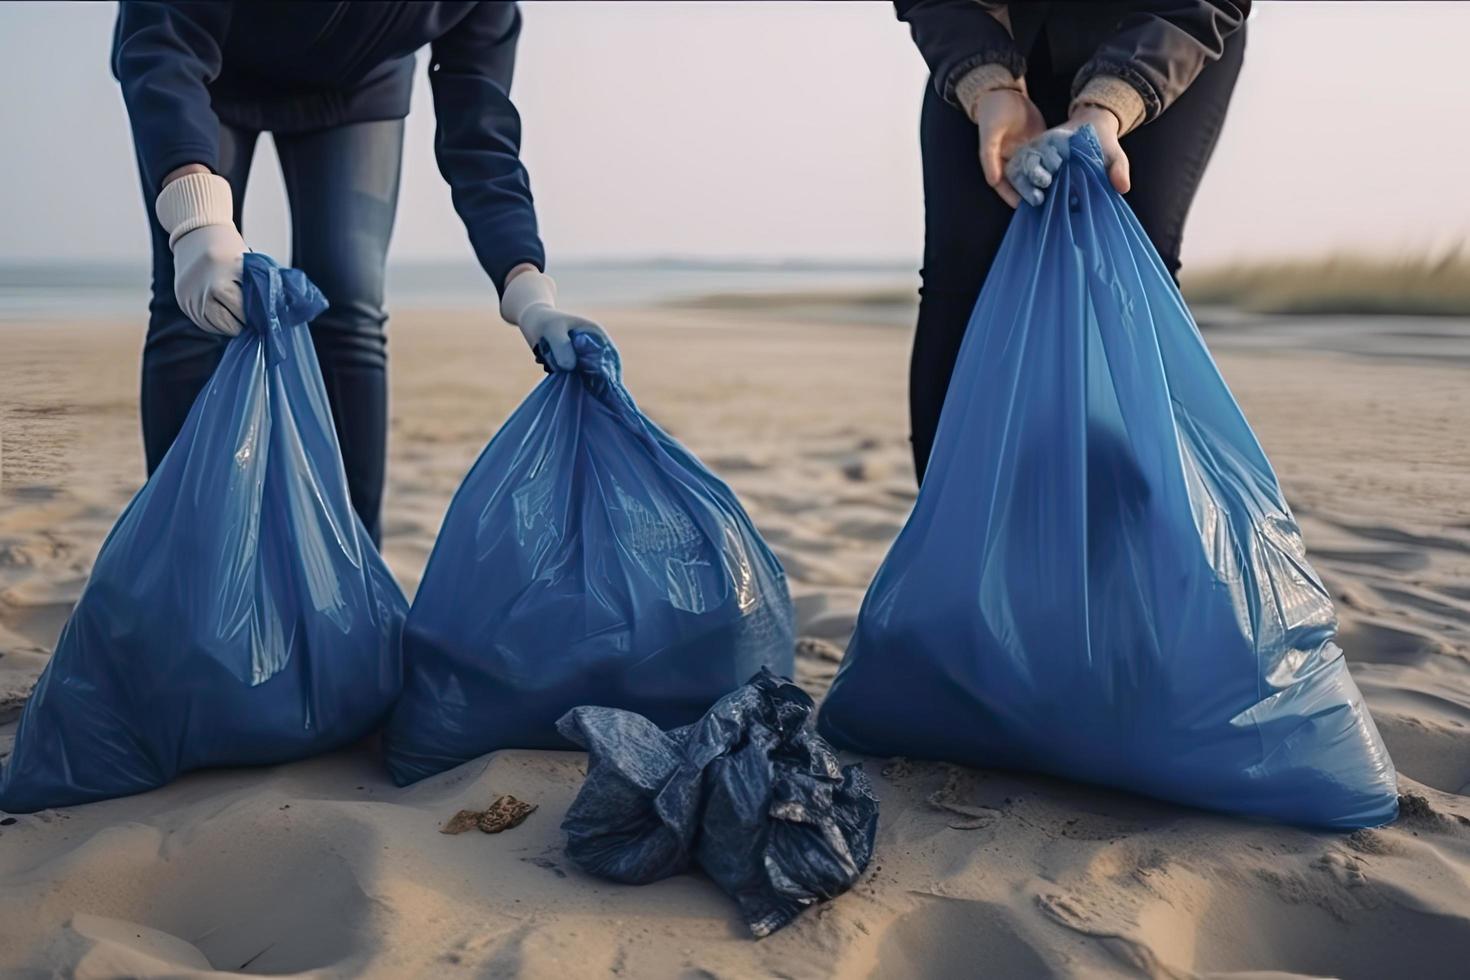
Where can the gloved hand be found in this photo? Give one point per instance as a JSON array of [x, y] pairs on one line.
[[529, 302], [1032, 167], [198, 212], [1007, 119]]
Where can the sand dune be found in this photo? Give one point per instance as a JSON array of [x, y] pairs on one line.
[[323, 868]]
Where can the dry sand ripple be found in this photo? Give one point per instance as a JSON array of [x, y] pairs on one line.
[[323, 868]]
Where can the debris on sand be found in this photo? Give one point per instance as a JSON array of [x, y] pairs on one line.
[[946, 798], [815, 648], [1415, 808], [506, 812], [898, 768]]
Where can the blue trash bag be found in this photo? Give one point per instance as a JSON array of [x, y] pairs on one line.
[[588, 558], [750, 793], [1100, 578], [238, 613]]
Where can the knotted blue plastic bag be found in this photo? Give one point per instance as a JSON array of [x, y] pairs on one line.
[[587, 558], [238, 613], [1100, 578]]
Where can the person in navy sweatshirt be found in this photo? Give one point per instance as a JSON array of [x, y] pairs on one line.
[[331, 82]]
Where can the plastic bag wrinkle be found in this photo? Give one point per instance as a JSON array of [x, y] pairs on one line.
[[1101, 578], [587, 558], [237, 613]]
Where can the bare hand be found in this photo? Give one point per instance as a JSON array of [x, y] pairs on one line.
[[1007, 120], [1105, 124]]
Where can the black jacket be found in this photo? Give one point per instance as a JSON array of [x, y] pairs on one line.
[[1157, 47], [295, 67]]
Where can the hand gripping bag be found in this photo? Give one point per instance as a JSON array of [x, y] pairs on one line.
[[588, 559], [238, 613], [1100, 578]]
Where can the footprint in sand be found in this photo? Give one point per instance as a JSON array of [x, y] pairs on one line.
[[294, 907], [1452, 612], [35, 609], [1377, 641], [1386, 558], [941, 937], [882, 529], [1403, 536]]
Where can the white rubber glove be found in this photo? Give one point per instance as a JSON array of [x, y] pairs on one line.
[[198, 212], [529, 302]]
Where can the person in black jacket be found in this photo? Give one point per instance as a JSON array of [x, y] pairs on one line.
[[1154, 80], [331, 82]]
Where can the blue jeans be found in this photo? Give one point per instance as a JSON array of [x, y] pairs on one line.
[[342, 184]]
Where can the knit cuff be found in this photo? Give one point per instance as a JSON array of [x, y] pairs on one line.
[[193, 201], [981, 79], [1115, 95]]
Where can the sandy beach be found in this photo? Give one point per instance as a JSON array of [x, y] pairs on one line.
[[325, 869]]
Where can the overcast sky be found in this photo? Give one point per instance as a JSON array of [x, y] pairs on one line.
[[779, 130]]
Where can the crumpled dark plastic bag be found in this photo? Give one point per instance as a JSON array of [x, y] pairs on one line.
[[238, 613], [750, 793], [588, 558], [1101, 578]]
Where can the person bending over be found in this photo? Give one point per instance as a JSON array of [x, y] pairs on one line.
[[331, 82]]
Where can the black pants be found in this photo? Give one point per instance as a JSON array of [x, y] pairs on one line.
[[964, 219], [342, 184]]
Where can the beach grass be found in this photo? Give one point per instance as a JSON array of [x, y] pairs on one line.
[[895, 297], [1342, 284]]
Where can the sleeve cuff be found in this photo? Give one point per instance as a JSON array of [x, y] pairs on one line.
[[981, 79], [193, 201], [161, 165], [1115, 95], [1119, 88]]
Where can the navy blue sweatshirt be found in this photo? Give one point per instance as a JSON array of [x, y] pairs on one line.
[[1157, 46], [295, 67]]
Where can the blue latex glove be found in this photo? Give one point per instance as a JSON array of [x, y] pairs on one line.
[[1032, 168]]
